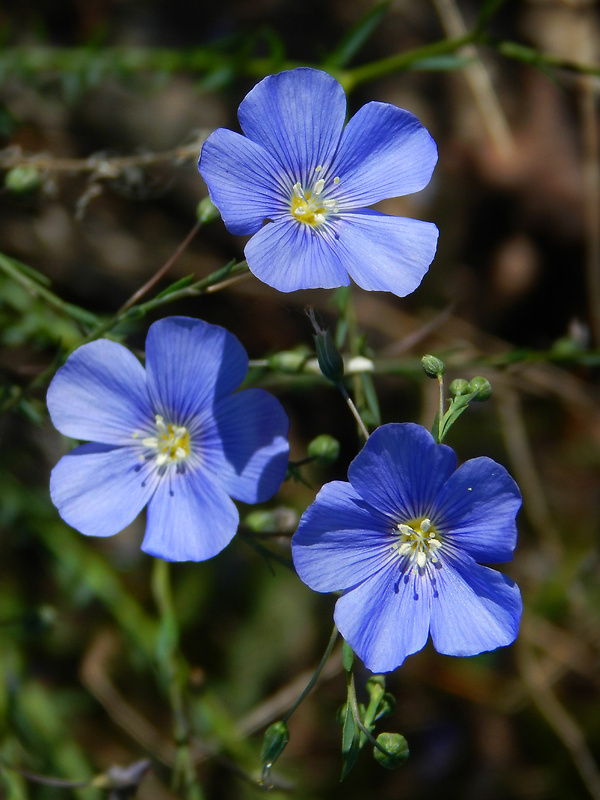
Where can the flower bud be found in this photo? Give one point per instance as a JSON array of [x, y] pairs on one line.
[[324, 450], [276, 738], [434, 367], [481, 388], [23, 180], [458, 387], [206, 211], [396, 750], [329, 357]]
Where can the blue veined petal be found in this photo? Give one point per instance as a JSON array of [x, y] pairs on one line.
[[401, 469], [189, 365], [385, 253], [100, 394], [476, 510], [340, 540], [298, 116], [476, 608], [100, 489], [290, 255], [244, 445], [245, 182], [384, 152], [189, 518], [385, 618]]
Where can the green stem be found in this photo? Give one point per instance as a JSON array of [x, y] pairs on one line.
[[315, 677], [356, 715], [184, 772]]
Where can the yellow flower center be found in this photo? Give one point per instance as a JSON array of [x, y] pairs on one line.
[[417, 541], [309, 206], [171, 443]]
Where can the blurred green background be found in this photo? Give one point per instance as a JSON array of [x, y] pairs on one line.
[[103, 108]]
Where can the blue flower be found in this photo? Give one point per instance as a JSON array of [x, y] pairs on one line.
[[172, 437], [310, 178], [402, 540]]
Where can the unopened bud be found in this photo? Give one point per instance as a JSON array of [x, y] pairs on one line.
[[276, 738], [23, 180], [329, 357], [481, 388], [434, 367], [324, 450], [396, 750], [206, 211], [459, 387]]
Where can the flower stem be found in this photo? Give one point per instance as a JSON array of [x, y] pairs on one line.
[[170, 667], [315, 677], [356, 715]]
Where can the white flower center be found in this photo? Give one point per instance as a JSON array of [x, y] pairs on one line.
[[170, 444], [417, 542], [309, 204]]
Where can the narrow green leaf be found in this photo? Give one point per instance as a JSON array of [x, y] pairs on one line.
[[174, 287], [357, 36], [350, 742]]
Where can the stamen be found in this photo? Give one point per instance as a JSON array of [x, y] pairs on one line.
[[336, 180], [418, 544], [319, 186], [298, 191], [170, 445]]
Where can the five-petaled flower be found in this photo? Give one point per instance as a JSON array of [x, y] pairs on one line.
[[172, 437], [402, 541], [311, 178]]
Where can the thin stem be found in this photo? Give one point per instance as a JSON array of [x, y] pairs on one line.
[[161, 272], [356, 715], [315, 677], [441, 410], [354, 410]]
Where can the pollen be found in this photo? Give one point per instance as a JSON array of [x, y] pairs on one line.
[[311, 205], [170, 444], [417, 543]]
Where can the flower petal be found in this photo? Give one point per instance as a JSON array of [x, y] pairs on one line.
[[245, 182], [244, 445], [340, 540], [384, 152], [476, 510], [386, 618], [189, 365], [475, 609], [401, 469], [99, 489], [100, 394], [289, 255], [385, 253], [189, 518], [298, 116]]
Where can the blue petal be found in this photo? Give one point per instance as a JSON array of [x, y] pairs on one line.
[[476, 510], [189, 365], [400, 470], [385, 253], [384, 152], [189, 518], [340, 540], [289, 255], [244, 180], [386, 618], [475, 609], [244, 445], [99, 489], [100, 394], [298, 116]]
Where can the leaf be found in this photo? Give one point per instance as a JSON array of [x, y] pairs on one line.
[[350, 741], [175, 287], [357, 36]]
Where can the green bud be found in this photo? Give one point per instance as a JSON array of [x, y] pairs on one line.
[[375, 686], [288, 360], [387, 706], [396, 750], [324, 450], [481, 388], [276, 738], [277, 520], [23, 180], [434, 367], [347, 656], [329, 357], [459, 387], [206, 211]]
